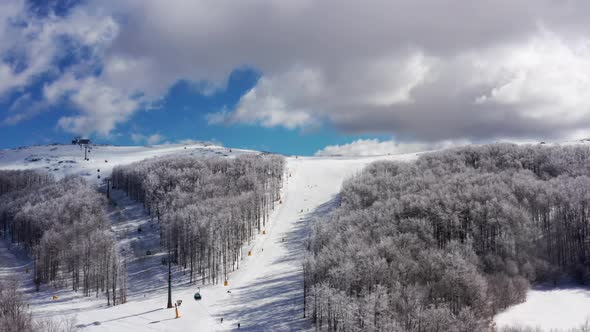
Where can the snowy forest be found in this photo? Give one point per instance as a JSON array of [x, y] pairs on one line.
[[207, 209], [63, 226], [445, 243], [15, 315]]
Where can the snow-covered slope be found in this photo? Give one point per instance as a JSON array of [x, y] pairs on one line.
[[62, 160], [266, 291], [549, 309]]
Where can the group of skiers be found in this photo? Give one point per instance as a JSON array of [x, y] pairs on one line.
[[239, 325]]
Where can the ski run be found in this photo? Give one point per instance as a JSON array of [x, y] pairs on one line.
[[265, 293]]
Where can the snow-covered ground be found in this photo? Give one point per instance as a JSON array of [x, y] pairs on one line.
[[13, 260], [265, 293], [68, 159], [560, 308]]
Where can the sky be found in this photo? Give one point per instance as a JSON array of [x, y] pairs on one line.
[[295, 76]]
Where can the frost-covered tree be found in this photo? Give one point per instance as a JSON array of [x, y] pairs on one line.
[[63, 226], [446, 242], [14, 316], [206, 208], [12, 180]]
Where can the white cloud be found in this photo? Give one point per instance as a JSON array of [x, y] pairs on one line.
[[302, 96], [101, 106], [155, 139], [149, 139], [374, 147], [261, 106], [422, 70], [23, 108], [36, 42], [549, 75], [39, 44]]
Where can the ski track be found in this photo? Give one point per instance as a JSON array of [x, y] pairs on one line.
[[14, 260], [266, 292]]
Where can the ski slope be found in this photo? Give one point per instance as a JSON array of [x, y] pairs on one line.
[[265, 293]]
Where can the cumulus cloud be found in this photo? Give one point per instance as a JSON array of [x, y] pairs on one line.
[[261, 105], [36, 44], [148, 139], [375, 147], [100, 106], [425, 70], [32, 45]]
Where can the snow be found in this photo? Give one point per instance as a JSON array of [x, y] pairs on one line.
[[560, 308], [62, 160], [14, 260], [266, 292]]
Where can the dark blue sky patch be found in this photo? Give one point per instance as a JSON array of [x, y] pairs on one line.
[[44, 8]]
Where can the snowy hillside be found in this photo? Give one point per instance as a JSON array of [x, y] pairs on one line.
[[66, 159], [265, 293], [550, 309]]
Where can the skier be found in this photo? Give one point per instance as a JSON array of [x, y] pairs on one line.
[[238, 326], [221, 320]]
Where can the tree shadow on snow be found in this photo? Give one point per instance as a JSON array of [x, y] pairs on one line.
[[296, 241], [118, 318], [275, 303]]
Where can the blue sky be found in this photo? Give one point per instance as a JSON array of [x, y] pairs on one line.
[[295, 77], [179, 116]]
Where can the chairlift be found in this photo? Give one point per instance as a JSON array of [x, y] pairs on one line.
[[198, 295]]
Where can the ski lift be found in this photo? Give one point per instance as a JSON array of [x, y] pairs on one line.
[[198, 295]]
